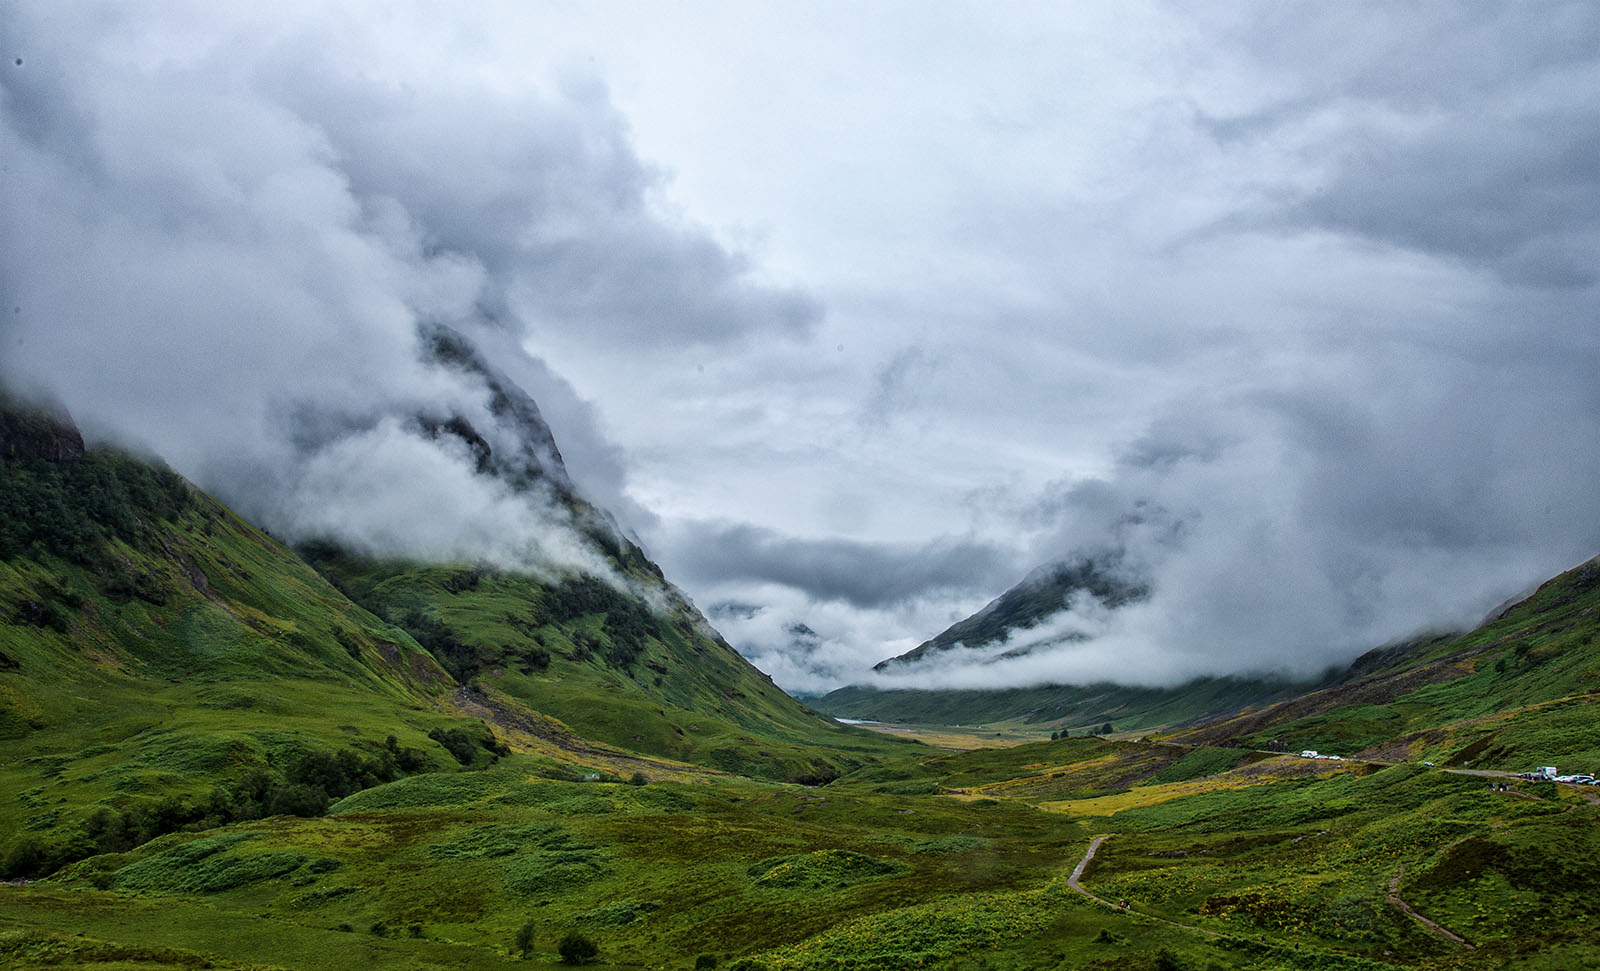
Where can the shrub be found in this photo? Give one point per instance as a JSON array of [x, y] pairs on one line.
[[438, 639], [298, 800], [821, 869], [523, 942], [1167, 961], [545, 871], [486, 842], [577, 949]]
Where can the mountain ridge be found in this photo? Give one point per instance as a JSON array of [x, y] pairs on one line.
[[1046, 593], [216, 667]]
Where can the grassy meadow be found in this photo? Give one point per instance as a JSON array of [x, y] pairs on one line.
[[937, 861]]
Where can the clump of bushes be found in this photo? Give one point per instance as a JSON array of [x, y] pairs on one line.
[[623, 913], [492, 841], [628, 625], [463, 744], [544, 871], [438, 639], [73, 508], [201, 866], [820, 870], [304, 788], [577, 949]]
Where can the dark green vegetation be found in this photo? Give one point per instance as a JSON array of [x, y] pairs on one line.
[[605, 664], [215, 752], [1072, 708]]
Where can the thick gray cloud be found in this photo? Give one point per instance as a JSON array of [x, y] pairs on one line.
[[854, 572], [221, 242], [1452, 129]]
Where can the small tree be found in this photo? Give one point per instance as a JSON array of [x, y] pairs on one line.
[[524, 939], [577, 949]]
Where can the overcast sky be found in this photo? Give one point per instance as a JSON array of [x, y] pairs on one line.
[[856, 313]]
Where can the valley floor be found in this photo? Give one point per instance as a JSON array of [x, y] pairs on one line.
[[1082, 853]]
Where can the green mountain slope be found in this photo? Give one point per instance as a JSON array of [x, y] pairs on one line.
[[1522, 689], [165, 665], [603, 662]]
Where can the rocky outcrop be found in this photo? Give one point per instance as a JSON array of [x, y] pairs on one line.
[[32, 432]]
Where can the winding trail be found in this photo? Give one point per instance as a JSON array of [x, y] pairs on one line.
[[1442, 933], [1077, 874], [1083, 864]]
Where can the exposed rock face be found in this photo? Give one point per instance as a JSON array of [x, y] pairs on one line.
[[37, 433], [518, 447], [521, 450]]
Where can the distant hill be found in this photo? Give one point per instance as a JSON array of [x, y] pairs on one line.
[[1045, 594], [1075, 709], [1050, 594]]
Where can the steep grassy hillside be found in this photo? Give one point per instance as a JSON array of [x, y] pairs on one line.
[[163, 663], [622, 658], [600, 659], [166, 666], [1521, 690]]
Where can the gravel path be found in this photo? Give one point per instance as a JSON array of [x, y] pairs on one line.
[[1077, 874], [1405, 908]]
